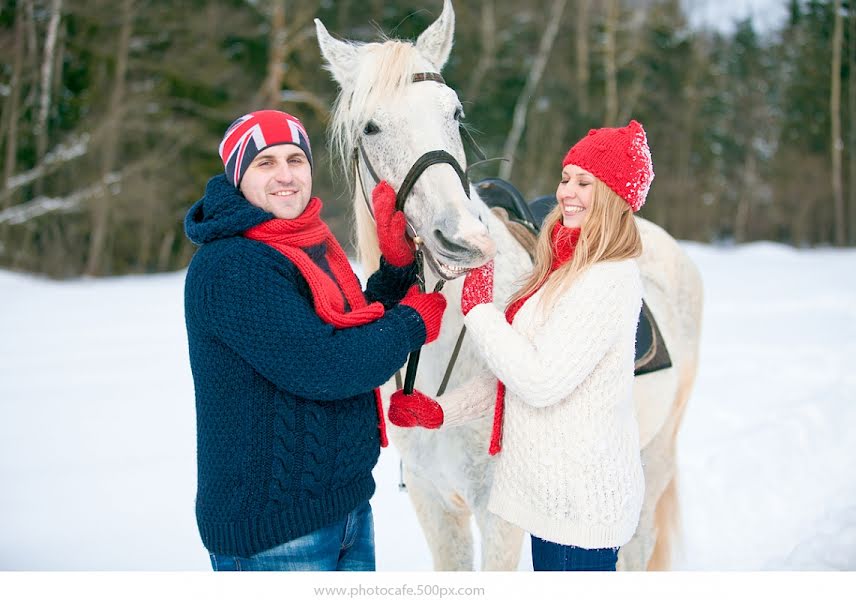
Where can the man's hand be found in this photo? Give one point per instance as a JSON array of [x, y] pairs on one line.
[[391, 227], [478, 288], [430, 307]]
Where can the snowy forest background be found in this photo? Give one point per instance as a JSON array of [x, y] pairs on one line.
[[112, 110], [110, 116]]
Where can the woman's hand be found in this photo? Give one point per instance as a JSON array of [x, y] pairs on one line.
[[478, 288]]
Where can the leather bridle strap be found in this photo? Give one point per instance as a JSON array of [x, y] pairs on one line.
[[433, 157]]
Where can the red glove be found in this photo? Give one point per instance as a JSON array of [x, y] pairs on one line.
[[478, 288], [430, 307], [391, 227], [415, 410]]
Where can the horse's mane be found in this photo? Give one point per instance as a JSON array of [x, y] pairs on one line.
[[383, 71]]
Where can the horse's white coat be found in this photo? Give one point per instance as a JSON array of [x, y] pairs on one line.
[[448, 471]]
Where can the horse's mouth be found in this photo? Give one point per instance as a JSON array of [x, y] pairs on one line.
[[444, 270], [448, 271]]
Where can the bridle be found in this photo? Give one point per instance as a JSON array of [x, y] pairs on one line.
[[432, 157]]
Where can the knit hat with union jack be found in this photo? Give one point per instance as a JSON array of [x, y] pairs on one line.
[[619, 157], [254, 132]]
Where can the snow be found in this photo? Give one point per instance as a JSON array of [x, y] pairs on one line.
[[97, 433]]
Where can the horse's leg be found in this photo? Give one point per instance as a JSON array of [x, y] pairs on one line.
[[658, 467], [501, 541], [667, 515], [445, 523]]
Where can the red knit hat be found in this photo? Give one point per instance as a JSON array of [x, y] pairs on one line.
[[252, 133], [619, 157]]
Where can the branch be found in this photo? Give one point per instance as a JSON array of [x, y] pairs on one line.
[[62, 153], [532, 81], [306, 97], [42, 205]]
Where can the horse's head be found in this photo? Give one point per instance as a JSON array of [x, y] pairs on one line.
[[390, 121]]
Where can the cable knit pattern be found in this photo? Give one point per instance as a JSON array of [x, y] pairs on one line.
[[287, 426], [570, 470]]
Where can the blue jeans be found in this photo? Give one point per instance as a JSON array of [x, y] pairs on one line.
[[549, 556], [346, 545]]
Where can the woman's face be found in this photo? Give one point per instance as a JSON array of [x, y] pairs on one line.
[[575, 193]]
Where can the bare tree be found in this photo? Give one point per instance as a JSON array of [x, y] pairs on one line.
[[282, 85], [583, 58], [269, 95], [611, 63], [46, 85], [101, 205], [835, 133], [851, 100], [521, 108], [487, 53], [10, 112]]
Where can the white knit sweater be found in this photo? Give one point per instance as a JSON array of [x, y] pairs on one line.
[[570, 470]]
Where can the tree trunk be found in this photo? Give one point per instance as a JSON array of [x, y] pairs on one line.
[[165, 251], [11, 106], [835, 110], [851, 101], [611, 63], [582, 39], [685, 224], [47, 71], [269, 95], [744, 200], [487, 55], [522, 107], [32, 37], [101, 204]]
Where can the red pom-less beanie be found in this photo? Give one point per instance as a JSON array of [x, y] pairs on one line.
[[254, 132], [619, 157]]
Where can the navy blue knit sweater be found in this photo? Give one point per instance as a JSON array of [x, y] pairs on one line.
[[287, 424]]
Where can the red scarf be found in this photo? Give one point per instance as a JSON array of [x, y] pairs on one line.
[[290, 237], [563, 242]]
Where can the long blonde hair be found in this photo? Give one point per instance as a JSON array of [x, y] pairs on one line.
[[608, 233]]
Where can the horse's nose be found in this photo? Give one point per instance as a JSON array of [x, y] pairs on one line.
[[450, 246]]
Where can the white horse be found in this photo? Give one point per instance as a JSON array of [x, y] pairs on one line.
[[448, 472]]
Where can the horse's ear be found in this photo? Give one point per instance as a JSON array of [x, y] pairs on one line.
[[341, 56], [435, 43]]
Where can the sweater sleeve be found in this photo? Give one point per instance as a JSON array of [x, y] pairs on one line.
[[581, 327], [254, 305], [388, 285], [471, 400]]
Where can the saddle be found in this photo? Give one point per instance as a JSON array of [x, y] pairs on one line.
[[651, 352]]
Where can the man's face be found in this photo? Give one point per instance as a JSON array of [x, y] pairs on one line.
[[279, 180]]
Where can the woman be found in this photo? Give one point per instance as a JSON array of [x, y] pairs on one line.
[[561, 363]]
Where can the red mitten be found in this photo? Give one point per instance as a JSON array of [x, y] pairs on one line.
[[391, 227], [430, 307], [415, 410], [478, 288]]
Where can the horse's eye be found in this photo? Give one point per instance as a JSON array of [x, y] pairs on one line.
[[459, 114], [371, 128]]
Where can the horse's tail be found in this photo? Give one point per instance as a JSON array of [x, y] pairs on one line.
[[667, 514]]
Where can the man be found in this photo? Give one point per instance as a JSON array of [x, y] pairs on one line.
[[287, 352]]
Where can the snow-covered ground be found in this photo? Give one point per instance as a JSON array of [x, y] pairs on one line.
[[97, 438]]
